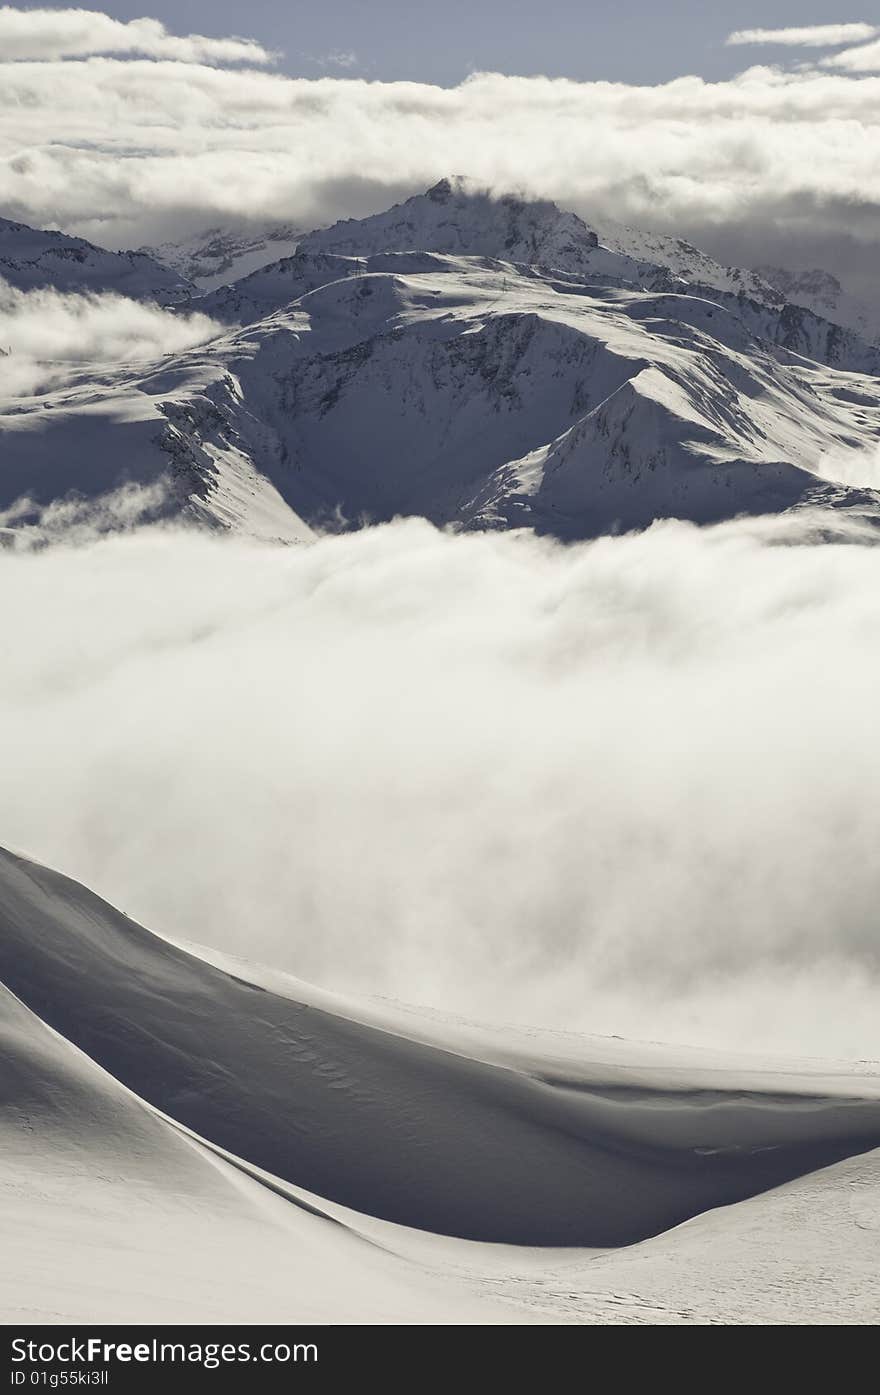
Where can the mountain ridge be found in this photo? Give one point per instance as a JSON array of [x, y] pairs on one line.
[[364, 377], [33, 258]]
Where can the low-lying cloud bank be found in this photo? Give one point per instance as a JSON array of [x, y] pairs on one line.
[[630, 786], [43, 329], [772, 165]]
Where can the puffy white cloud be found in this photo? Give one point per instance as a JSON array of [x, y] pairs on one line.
[[71, 33], [627, 786], [806, 36]]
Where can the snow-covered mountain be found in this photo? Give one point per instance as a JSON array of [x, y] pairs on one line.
[[687, 262], [819, 291], [457, 217], [483, 362], [218, 256], [31, 258]]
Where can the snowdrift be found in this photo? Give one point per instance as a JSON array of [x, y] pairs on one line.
[[109, 1212], [396, 1127]]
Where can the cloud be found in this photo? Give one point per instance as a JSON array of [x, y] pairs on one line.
[[857, 467], [75, 33], [43, 332], [626, 786], [28, 525], [807, 36], [129, 152], [342, 58], [865, 59]]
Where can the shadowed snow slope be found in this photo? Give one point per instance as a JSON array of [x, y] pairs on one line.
[[435, 1136], [109, 1211]]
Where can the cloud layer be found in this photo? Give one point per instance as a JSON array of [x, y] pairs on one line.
[[627, 786], [128, 151]]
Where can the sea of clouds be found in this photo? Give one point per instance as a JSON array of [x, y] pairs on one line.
[[627, 786]]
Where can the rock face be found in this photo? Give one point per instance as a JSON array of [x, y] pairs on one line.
[[486, 363]]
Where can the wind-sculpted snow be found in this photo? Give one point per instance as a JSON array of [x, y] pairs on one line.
[[384, 1122], [111, 1213]]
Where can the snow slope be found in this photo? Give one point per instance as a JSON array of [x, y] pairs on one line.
[[228, 1138], [110, 1212], [30, 257]]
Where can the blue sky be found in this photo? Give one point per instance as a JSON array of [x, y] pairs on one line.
[[442, 41]]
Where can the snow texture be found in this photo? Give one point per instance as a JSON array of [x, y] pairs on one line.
[[187, 1138]]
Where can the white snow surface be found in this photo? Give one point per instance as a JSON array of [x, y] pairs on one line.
[[191, 1138]]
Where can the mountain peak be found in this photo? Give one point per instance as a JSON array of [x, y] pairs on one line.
[[454, 186], [459, 217], [441, 191]]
